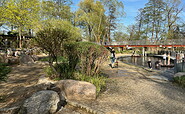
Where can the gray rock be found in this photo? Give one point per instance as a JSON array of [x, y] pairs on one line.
[[25, 59], [42, 102], [35, 57], [12, 110], [179, 74], [77, 90]]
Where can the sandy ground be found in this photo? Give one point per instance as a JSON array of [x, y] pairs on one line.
[[20, 84]]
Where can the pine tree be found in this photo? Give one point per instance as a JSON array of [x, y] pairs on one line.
[[114, 10]]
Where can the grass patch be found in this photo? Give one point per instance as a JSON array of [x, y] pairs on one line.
[[125, 51], [98, 80], [180, 80], [60, 59], [4, 70]]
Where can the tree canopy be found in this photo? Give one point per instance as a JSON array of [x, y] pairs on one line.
[[98, 19], [159, 20]]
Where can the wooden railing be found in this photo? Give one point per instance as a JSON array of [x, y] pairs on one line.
[[148, 42]]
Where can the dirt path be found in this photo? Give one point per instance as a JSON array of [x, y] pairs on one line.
[[20, 84], [129, 90]]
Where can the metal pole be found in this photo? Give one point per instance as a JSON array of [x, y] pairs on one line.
[[143, 51], [175, 66], [182, 65]]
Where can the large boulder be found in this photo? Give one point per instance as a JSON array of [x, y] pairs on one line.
[[25, 59], [77, 90], [42, 102]]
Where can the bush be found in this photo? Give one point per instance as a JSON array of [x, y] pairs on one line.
[[88, 56], [84, 58], [180, 80], [4, 70], [52, 36]]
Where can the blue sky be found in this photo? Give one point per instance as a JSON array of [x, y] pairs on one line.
[[131, 9]]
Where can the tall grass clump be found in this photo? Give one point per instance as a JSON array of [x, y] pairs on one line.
[[99, 81]]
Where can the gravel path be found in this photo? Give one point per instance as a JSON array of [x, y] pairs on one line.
[[130, 90]]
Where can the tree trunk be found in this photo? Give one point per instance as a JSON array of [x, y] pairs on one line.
[[20, 39]]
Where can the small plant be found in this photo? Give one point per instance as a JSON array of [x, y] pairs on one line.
[[63, 68], [180, 80], [49, 72]]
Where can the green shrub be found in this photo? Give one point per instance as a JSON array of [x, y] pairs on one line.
[[98, 81], [84, 58], [180, 80], [88, 56], [52, 36], [4, 70]]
